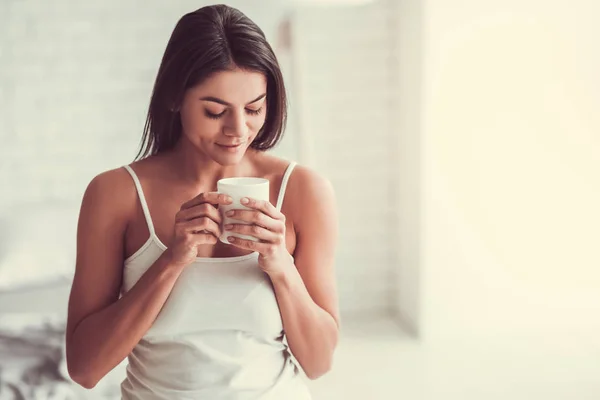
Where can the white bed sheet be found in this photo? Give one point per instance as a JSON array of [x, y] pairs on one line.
[[32, 360]]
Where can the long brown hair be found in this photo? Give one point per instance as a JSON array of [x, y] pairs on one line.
[[211, 39]]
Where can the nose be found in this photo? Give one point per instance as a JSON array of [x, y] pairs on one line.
[[236, 125]]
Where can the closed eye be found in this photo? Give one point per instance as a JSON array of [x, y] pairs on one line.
[[214, 116], [254, 112], [217, 116]]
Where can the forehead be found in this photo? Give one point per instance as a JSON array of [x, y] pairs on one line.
[[236, 87]]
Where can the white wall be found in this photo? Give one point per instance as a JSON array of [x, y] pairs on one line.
[[76, 78], [347, 102], [512, 167]]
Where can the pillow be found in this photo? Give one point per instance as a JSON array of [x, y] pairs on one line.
[[31, 358], [37, 244], [33, 362]]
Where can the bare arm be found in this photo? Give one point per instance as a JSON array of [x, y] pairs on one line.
[[101, 328], [306, 290]]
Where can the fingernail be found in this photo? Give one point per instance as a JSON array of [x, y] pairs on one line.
[[229, 213], [228, 226], [228, 199], [244, 200]]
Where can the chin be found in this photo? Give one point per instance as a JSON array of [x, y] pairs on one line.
[[229, 156]]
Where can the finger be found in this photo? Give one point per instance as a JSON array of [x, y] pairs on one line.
[[256, 231], [202, 225], [200, 210], [199, 237], [258, 218], [260, 247], [205, 238], [208, 197], [263, 205]]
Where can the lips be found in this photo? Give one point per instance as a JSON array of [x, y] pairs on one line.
[[231, 147]]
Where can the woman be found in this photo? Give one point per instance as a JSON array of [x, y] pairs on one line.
[[198, 318]]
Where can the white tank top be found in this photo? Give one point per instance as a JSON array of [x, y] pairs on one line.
[[218, 336]]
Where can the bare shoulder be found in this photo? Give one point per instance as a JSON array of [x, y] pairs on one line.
[[310, 197], [117, 178], [109, 203], [307, 179], [111, 191]]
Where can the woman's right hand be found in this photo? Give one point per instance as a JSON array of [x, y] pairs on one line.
[[197, 222]]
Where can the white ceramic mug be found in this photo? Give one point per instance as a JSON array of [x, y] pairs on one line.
[[255, 188]]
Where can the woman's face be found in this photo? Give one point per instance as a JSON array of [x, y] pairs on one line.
[[222, 115]]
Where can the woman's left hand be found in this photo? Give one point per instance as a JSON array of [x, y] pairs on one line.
[[267, 224]]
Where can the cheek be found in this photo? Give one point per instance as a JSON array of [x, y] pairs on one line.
[[198, 124], [257, 122], [188, 121]]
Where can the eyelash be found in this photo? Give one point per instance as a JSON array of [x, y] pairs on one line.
[[217, 116]]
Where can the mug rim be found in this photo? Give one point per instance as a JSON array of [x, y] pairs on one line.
[[242, 181]]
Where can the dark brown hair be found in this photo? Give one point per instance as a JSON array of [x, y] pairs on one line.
[[211, 39]]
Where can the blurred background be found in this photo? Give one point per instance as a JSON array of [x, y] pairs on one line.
[[462, 139]]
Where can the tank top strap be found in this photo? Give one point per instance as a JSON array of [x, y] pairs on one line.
[[284, 182], [140, 192]]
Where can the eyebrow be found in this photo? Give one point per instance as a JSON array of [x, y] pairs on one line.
[[223, 102]]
